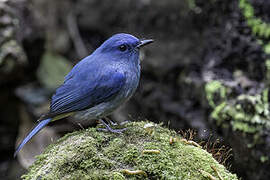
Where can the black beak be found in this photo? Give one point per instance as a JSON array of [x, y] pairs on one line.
[[145, 42]]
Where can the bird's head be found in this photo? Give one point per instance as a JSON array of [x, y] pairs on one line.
[[123, 46]]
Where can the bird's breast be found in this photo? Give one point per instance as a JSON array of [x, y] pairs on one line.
[[132, 82]]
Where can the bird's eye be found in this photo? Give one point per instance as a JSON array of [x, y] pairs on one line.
[[122, 47]]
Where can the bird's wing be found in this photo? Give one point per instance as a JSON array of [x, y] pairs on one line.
[[83, 91]]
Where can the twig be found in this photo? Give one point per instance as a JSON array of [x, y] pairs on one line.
[[215, 169], [154, 151], [129, 172], [206, 174], [190, 142]]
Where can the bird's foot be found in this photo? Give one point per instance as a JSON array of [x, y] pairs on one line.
[[109, 129], [114, 123]]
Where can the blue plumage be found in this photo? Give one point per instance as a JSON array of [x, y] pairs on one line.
[[77, 94], [98, 84]]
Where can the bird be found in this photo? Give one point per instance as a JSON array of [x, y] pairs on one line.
[[97, 85]]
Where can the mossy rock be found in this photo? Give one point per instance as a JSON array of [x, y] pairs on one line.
[[91, 154]]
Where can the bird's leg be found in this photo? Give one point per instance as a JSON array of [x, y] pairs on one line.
[[114, 123], [109, 129]]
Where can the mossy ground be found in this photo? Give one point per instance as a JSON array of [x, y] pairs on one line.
[[90, 154]]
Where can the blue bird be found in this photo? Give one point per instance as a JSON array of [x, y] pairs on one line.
[[98, 84]]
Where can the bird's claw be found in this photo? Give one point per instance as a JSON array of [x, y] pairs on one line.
[[115, 124], [109, 129]]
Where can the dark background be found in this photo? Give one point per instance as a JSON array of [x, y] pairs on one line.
[[196, 42]]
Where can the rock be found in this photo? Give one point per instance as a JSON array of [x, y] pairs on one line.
[[141, 152]]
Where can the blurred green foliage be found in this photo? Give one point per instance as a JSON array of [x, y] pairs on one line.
[[257, 25], [248, 113], [52, 70], [259, 28], [213, 89]]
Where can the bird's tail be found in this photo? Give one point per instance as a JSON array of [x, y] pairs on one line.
[[38, 127]]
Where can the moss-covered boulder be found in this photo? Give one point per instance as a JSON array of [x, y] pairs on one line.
[[143, 151]]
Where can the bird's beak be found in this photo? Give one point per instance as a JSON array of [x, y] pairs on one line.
[[144, 42]]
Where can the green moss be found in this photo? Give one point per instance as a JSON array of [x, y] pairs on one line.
[[89, 154]]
